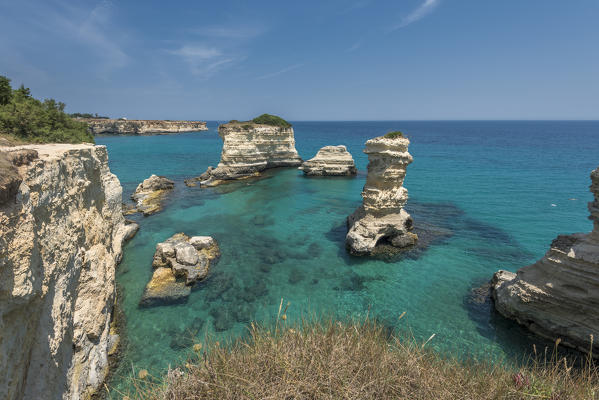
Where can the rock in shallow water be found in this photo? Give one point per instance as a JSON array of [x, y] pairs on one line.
[[180, 262], [381, 217], [330, 161], [150, 193], [558, 296]]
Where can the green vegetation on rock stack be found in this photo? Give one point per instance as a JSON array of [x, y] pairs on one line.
[[273, 120], [26, 119], [394, 135]]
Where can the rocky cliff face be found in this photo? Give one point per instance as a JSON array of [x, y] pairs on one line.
[[381, 217], [141, 127], [558, 296], [61, 233], [330, 161], [250, 148]]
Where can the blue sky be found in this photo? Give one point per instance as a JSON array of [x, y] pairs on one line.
[[308, 60]]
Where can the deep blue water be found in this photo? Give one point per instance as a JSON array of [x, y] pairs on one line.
[[492, 195]]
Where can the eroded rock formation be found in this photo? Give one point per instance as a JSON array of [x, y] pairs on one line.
[[330, 161], [150, 194], [141, 127], [179, 263], [248, 149], [381, 217], [558, 296], [61, 233]]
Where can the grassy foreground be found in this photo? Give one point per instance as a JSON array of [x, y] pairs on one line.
[[356, 360]]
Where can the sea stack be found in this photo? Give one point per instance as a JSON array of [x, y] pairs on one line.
[[251, 147], [558, 296], [330, 161], [381, 217]]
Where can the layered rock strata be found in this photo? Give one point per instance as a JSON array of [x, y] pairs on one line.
[[248, 149], [179, 263], [150, 194], [381, 217], [61, 231], [330, 161], [558, 296], [141, 127]]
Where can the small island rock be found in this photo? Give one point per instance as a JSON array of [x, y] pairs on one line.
[[150, 193], [330, 161], [381, 217], [180, 262]]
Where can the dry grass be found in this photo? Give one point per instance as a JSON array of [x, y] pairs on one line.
[[356, 360]]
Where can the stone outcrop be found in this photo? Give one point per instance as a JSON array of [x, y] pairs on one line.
[[141, 126], [248, 149], [558, 296], [179, 263], [330, 161], [150, 194], [61, 233], [381, 217]]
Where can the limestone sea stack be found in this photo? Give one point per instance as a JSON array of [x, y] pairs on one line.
[[558, 296], [381, 217], [251, 147], [179, 263], [61, 232], [330, 161], [141, 127], [150, 194]]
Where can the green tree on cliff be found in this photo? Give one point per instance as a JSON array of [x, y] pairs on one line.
[[27, 119]]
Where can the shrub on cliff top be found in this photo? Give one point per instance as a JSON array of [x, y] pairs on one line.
[[355, 360], [273, 120], [394, 135], [27, 119]]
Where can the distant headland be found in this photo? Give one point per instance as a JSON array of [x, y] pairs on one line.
[[123, 126]]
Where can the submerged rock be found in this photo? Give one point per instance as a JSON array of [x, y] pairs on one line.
[[180, 262], [330, 161], [558, 296], [381, 217], [248, 149], [150, 193]]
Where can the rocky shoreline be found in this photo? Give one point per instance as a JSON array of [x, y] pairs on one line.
[[558, 296], [141, 126]]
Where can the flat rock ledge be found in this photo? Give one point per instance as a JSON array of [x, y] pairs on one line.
[[248, 149], [330, 161], [381, 218], [558, 296], [179, 262], [150, 194]]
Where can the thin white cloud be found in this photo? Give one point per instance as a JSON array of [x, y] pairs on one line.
[[282, 71], [355, 46], [204, 61], [224, 32], [423, 10]]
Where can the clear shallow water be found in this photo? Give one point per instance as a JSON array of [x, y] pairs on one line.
[[494, 193]]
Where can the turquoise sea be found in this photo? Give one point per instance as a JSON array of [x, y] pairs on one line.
[[485, 195]]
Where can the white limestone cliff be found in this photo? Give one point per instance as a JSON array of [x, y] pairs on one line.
[[330, 161], [61, 233], [141, 127], [558, 296], [381, 217], [250, 148]]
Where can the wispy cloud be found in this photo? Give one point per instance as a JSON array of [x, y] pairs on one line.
[[204, 61], [279, 72], [230, 32], [423, 10], [355, 46]]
